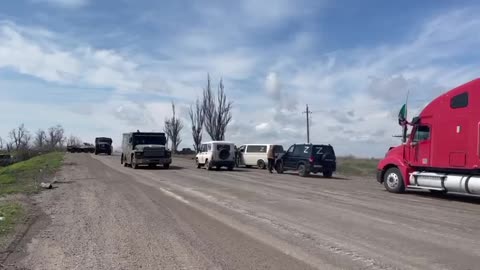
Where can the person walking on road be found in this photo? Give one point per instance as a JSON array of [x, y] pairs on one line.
[[271, 158]]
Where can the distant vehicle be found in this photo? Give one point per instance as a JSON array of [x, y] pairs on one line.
[[103, 145], [87, 148], [442, 153], [216, 154], [83, 148], [256, 154], [71, 148], [145, 148], [5, 159], [308, 158], [186, 151]]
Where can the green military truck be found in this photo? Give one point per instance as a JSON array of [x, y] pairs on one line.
[[103, 145], [145, 148]]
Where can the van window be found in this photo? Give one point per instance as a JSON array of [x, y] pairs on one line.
[[256, 149], [422, 133], [290, 150], [459, 101], [209, 147]]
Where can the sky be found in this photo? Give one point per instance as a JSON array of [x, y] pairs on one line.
[[102, 68]]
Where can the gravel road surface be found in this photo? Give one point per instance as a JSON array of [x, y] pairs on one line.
[[106, 216]]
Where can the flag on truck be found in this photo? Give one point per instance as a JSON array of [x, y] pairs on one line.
[[402, 115]]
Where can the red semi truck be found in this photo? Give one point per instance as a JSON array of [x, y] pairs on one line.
[[442, 152]]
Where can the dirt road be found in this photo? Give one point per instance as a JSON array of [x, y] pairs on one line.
[[105, 216]]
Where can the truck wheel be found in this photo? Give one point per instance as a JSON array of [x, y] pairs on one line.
[[393, 180], [303, 171], [166, 165], [208, 165], [230, 168], [134, 163], [261, 164], [198, 164], [327, 174], [121, 159]]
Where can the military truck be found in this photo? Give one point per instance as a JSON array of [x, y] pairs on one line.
[[103, 145], [5, 159], [83, 148], [145, 148]]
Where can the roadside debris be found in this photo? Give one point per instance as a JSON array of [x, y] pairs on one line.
[[46, 185]]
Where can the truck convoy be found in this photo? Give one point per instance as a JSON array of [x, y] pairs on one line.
[[442, 153], [81, 148], [145, 148], [103, 145]]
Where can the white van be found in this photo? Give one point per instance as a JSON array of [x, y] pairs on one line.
[[256, 154]]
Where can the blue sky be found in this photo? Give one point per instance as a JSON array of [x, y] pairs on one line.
[[101, 68]]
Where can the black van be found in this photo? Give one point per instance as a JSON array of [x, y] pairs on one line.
[[308, 158]]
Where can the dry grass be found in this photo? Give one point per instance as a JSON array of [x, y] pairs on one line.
[[350, 165]]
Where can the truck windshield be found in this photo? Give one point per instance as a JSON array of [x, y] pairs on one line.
[[149, 140], [105, 140]]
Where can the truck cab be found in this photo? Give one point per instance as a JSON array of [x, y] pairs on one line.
[[145, 148], [442, 152], [103, 145]]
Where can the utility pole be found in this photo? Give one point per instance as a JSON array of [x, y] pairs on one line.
[[308, 112]]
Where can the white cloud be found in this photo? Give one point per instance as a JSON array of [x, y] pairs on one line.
[[64, 3], [40, 56], [272, 85]]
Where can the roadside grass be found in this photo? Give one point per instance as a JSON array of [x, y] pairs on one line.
[[25, 176], [11, 213], [354, 166]]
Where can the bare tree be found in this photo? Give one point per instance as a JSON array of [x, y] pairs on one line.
[[217, 112], [40, 139], [173, 127], [72, 140], [197, 118], [1, 143], [20, 137], [55, 136]]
